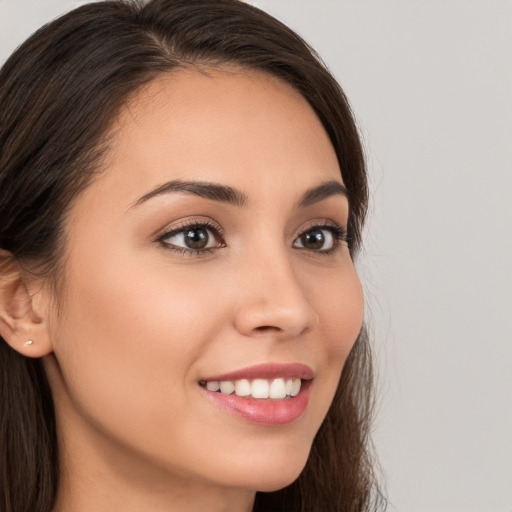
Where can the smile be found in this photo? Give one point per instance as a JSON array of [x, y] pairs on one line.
[[276, 389], [268, 394]]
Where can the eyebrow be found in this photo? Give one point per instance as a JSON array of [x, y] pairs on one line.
[[230, 195], [322, 191], [217, 192]]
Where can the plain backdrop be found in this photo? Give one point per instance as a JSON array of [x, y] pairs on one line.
[[431, 85]]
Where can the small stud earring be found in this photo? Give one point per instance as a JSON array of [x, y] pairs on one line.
[[27, 343]]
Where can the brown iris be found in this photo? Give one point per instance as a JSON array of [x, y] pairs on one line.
[[196, 238], [313, 239]]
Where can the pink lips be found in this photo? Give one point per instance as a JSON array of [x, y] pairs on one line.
[[268, 371], [265, 411]]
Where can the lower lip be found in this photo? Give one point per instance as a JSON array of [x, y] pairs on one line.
[[265, 411]]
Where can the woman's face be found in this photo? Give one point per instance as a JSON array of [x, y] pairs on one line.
[[209, 249]]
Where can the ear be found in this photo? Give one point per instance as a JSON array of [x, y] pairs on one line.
[[23, 328]]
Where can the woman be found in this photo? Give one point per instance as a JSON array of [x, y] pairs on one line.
[[183, 193]]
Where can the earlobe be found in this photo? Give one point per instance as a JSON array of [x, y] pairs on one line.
[[24, 329]]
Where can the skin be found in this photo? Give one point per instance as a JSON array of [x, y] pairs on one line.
[[142, 324]]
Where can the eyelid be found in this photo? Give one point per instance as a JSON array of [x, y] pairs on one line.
[[320, 223], [180, 225]]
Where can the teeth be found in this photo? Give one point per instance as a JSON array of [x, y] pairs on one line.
[[242, 387], [276, 389], [227, 387], [259, 388], [295, 387], [213, 385]]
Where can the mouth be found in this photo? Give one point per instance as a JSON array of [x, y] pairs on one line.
[[267, 394]]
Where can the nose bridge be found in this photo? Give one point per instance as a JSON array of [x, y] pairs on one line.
[[272, 298]]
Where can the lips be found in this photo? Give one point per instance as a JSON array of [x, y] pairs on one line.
[[267, 371], [268, 394]]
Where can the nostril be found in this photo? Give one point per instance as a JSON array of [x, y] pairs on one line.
[[266, 328]]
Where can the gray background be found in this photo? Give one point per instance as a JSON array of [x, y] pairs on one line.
[[431, 85]]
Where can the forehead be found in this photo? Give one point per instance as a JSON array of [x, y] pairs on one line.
[[244, 128]]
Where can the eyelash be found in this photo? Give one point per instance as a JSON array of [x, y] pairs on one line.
[[188, 226], [339, 236]]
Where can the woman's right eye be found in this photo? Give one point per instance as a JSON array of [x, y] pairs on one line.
[[192, 239]]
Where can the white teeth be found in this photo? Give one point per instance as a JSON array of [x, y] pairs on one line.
[[277, 389], [242, 387], [227, 387], [259, 388], [213, 385], [295, 387]]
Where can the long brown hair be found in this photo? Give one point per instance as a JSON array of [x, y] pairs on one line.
[[60, 92]]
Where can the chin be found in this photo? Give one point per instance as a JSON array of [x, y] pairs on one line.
[[277, 483], [273, 475]]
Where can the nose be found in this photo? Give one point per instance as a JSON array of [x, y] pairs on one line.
[[272, 300]]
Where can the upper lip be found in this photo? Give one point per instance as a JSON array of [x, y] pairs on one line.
[[267, 371]]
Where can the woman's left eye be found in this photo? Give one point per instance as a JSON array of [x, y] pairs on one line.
[[323, 239], [196, 238]]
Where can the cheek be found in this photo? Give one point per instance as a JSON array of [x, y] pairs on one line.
[[340, 307], [150, 313], [130, 337]]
